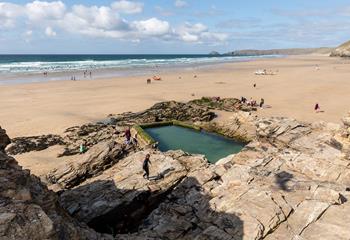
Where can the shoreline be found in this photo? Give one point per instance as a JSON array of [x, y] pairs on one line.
[[122, 71], [51, 107]]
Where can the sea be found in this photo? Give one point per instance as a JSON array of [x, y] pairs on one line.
[[16, 69]]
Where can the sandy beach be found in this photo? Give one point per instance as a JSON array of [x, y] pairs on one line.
[[50, 107]]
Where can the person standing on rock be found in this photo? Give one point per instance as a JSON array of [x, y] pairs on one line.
[[127, 135], [82, 148], [145, 166]]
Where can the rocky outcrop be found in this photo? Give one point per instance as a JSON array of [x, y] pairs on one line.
[[286, 184], [223, 104], [89, 135], [28, 210], [165, 111], [120, 197], [291, 181], [34, 143], [342, 51], [99, 158], [4, 140], [240, 126]]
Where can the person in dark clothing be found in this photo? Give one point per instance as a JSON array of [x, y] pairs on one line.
[[262, 101], [317, 107], [145, 166], [127, 135]]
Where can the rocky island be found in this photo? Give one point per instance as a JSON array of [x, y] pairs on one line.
[[290, 181]]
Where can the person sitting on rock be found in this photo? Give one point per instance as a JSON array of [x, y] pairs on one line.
[[145, 166]]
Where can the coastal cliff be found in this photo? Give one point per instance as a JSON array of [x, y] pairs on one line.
[[291, 181], [342, 51], [288, 51]]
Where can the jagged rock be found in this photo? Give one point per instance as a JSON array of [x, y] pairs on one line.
[[281, 131], [120, 195], [99, 158], [225, 104], [342, 51], [240, 126], [166, 111], [28, 210], [89, 135], [291, 181], [34, 143], [4, 140]]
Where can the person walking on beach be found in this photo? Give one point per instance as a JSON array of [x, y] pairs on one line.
[[262, 101], [145, 166], [317, 107]]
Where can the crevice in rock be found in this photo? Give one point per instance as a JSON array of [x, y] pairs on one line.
[[318, 217], [128, 217]]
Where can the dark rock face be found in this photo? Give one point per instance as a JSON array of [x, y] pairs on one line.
[[120, 197], [166, 111], [28, 210], [4, 140], [223, 104], [34, 143]]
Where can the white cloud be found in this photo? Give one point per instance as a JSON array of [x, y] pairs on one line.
[[128, 7], [50, 32], [180, 3], [152, 26], [100, 21], [9, 13], [38, 10], [198, 32]]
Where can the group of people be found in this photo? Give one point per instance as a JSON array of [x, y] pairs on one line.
[[252, 102], [86, 73]]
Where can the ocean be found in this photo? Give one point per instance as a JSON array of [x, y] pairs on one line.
[[31, 68]]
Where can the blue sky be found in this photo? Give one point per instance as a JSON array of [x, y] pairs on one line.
[[170, 26]]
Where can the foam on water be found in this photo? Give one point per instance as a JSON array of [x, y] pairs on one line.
[[20, 67]]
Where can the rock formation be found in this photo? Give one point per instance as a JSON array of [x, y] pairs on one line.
[[342, 51], [291, 181], [28, 210], [4, 140], [34, 143], [99, 158], [165, 111]]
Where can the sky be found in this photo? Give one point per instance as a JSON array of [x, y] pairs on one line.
[[170, 26]]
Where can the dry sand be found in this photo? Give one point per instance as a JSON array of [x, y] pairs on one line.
[[39, 108]]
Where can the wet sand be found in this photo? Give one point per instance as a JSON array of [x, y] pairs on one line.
[[50, 107]]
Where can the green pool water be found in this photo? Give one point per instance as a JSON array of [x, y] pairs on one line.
[[212, 145]]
